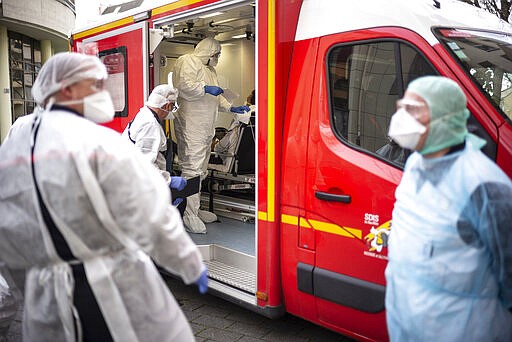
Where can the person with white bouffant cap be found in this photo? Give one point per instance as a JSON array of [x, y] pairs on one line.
[[85, 214], [147, 133]]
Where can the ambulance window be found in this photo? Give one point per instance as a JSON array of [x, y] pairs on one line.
[[365, 81], [116, 84], [487, 59]]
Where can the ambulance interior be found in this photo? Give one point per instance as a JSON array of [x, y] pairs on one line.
[[229, 247]]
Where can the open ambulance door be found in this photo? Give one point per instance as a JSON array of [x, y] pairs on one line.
[[229, 248], [124, 51]]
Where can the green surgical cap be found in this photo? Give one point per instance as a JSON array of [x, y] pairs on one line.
[[448, 112]]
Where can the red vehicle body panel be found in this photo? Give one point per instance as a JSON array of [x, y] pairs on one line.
[[299, 155]]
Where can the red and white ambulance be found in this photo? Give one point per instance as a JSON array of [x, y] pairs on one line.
[[305, 218]]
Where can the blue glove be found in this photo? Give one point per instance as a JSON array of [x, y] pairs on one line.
[[213, 90], [202, 282], [240, 109], [177, 201], [177, 183]]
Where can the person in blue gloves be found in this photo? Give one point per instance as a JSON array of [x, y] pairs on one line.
[[147, 133], [84, 214], [200, 98], [449, 276]]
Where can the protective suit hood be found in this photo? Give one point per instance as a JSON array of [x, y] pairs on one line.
[[206, 48], [448, 112]]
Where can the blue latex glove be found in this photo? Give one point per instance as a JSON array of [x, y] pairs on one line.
[[202, 282], [177, 183], [213, 90], [177, 201], [240, 109]]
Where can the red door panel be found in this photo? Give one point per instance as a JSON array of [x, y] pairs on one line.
[[124, 51]]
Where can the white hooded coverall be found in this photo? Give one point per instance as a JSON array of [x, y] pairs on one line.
[[114, 212], [195, 119]]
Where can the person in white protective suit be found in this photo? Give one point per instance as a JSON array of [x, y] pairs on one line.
[[449, 276], [147, 133], [85, 213], [199, 97]]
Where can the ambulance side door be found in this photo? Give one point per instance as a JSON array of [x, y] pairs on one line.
[[353, 170]]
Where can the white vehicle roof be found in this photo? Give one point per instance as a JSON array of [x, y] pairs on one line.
[[323, 17]]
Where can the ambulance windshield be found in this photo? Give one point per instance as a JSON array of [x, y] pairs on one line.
[[487, 58]]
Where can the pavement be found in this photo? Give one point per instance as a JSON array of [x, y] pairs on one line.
[[215, 319]]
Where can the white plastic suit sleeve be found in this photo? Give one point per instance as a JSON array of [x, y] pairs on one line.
[[144, 212]]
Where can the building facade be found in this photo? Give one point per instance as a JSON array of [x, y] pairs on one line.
[[30, 32]]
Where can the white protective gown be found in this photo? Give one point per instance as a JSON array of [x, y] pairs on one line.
[[195, 119], [149, 137], [114, 212], [449, 276]]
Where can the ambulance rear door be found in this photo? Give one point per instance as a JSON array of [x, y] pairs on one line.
[[124, 51]]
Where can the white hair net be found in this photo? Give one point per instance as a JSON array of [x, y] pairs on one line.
[[161, 95], [64, 69]]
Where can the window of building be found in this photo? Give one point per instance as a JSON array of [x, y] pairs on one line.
[[365, 81], [24, 65]]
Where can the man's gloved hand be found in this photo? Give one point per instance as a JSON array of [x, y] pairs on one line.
[[240, 109], [177, 183], [213, 90], [202, 282], [177, 201]]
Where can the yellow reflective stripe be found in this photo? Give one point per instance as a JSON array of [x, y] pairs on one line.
[[104, 27], [304, 223], [271, 111], [335, 229], [320, 226], [262, 215], [289, 219], [174, 5]]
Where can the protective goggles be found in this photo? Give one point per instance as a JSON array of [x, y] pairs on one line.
[[415, 108]]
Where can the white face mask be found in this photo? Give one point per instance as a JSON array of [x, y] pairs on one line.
[[405, 130], [98, 107]]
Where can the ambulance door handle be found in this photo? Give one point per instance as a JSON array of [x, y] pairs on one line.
[[325, 196]]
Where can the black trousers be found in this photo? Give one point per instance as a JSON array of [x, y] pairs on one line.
[[94, 327]]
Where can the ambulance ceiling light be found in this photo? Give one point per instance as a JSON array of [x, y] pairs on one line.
[[209, 15]]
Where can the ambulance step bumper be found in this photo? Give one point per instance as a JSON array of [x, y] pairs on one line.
[[228, 268]]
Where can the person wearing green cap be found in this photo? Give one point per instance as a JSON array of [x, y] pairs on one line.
[[449, 275]]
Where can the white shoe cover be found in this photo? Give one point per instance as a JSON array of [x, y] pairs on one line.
[[206, 216], [193, 224]]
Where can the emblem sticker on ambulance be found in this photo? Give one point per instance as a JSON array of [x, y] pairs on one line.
[[377, 240]]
